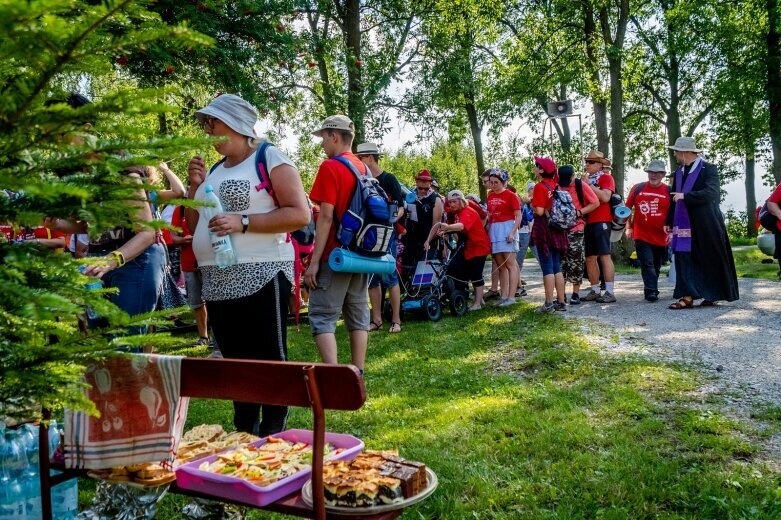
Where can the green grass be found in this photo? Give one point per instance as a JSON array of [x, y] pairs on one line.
[[522, 418], [748, 264]]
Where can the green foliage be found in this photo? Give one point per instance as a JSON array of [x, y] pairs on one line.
[[64, 162], [736, 222]]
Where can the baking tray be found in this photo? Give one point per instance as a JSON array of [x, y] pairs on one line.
[[188, 476]]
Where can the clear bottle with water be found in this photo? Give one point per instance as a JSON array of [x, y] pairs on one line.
[[65, 495], [224, 255], [13, 485]]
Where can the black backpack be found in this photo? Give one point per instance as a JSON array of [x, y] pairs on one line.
[[366, 227]]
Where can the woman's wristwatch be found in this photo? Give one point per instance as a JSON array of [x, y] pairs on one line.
[[244, 223]]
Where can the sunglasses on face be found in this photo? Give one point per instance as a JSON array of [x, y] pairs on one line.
[[593, 162]]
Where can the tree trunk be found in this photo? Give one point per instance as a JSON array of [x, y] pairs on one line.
[[356, 109], [600, 108], [751, 196], [477, 137], [773, 41], [162, 124], [617, 122]]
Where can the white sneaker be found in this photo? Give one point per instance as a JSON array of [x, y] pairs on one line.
[[507, 302], [215, 354], [475, 307]]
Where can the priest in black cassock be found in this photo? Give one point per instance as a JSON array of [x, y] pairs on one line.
[[704, 266]]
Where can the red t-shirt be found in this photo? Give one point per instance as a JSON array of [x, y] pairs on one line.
[[335, 184], [650, 213], [187, 257], [589, 197], [38, 232], [477, 242], [502, 206], [542, 196], [776, 195], [602, 213]]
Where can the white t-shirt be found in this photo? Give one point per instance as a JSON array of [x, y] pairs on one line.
[[260, 255]]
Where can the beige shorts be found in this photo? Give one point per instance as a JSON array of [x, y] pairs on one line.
[[339, 293]]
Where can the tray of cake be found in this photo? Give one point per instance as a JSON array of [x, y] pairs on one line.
[[262, 472], [373, 482]]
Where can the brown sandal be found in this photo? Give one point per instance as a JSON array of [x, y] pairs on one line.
[[707, 303], [681, 304]]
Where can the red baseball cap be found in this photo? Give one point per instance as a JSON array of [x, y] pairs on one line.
[[424, 175], [547, 164]]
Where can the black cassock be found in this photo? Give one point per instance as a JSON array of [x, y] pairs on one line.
[[710, 266]]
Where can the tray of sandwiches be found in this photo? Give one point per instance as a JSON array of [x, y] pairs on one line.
[[261, 472], [374, 482]]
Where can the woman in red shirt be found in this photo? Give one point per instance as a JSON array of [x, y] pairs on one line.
[[469, 262], [504, 217], [551, 244]]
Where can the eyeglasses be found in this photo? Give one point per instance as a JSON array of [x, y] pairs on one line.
[[208, 123], [593, 162]]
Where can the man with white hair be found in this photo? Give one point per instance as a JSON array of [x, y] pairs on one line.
[[704, 266], [650, 202]]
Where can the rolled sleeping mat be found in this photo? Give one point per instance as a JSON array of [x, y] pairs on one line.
[[345, 261], [621, 214]]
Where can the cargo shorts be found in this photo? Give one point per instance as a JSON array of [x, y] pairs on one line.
[[339, 293]]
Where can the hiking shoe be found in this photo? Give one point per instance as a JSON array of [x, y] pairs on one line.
[[507, 302], [475, 307], [560, 306], [546, 308], [575, 299], [652, 297], [608, 297], [203, 342], [520, 292], [591, 296], [215, 354]]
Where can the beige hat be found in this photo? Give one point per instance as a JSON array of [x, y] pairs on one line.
[[685, 144], [596, 155], [368, 149], [337, 122], [456, 195]]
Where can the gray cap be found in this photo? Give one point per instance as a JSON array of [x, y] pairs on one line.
[[473, 196], [530, 185], [368, 149], [337, 122], [685, 144], [456, 195], [656, 166], [236, 113]]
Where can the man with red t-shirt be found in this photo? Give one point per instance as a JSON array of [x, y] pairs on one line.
[[332, 292], [468, 264], [597, 231], [650, 202]]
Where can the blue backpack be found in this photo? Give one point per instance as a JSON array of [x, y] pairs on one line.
[[366, 228], [304, 236]]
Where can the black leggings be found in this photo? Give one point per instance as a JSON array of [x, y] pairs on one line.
[[254, 327]]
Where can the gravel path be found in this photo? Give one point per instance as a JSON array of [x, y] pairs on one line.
[[739, 343]]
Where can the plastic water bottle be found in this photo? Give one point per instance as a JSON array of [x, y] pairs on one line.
[[13, 464], [65, 496], [224, 254]]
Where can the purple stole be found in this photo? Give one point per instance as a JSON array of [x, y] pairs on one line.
[[682, 227]]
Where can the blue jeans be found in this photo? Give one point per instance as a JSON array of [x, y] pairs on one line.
[[650, 258], [139, 282]]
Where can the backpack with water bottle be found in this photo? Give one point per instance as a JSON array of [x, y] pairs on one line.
[[366, 228]]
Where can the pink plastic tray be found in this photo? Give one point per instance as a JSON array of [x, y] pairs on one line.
[[189, 476]]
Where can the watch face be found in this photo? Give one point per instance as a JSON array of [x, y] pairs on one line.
[[245, 220]]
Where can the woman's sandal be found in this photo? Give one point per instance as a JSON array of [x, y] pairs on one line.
[[395, 327], [681, 304], [707, 303], [374, 326]]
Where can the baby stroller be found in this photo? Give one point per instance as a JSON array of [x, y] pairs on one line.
[[427, 287]]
